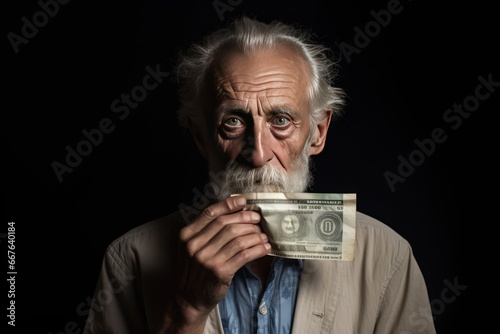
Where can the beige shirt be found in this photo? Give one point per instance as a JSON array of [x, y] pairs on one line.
[[381, 291]]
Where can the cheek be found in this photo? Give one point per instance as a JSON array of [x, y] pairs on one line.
[[288, 152], [228, 149]]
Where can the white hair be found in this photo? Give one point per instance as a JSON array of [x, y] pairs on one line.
[[246, 34]]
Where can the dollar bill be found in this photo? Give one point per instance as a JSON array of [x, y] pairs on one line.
[[317, 226]]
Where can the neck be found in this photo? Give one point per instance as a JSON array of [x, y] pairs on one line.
[[261, 267]]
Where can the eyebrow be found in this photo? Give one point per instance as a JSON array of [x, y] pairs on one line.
[[280, 110], [275, 111]]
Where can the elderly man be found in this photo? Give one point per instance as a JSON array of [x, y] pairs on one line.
[[258, 100]]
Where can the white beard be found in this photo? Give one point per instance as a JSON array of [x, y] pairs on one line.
[[238, 179]]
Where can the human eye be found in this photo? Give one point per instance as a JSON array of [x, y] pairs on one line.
[[281, 121], [233, 122], [232, 126]]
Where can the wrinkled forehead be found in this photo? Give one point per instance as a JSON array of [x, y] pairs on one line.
[[264, 71]]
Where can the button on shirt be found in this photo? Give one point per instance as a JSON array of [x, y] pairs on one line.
[[246, 309]]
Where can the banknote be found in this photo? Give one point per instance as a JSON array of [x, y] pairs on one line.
[[318, 226]]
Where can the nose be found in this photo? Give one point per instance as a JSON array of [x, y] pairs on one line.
[[258, 148]]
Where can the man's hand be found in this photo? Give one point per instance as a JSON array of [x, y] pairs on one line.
[[218, 242]]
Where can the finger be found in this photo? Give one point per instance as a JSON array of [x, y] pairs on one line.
[[227, 235], [235, 254], [212, 212], [221, 231], [248, 254]]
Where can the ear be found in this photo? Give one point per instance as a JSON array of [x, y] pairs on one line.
[[320, 131], [198, 138]]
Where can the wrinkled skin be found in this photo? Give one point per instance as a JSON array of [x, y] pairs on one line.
[[257, 114]]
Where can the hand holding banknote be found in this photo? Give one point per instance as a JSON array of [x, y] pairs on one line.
[[307, 225]]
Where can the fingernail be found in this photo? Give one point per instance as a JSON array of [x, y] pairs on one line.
[[268, 246], [240, 201], [264, 237], [255, 216]]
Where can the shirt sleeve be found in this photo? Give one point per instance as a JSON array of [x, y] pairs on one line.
[[404, 306], [116, 306]]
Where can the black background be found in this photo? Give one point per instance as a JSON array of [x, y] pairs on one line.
[[64, 79]]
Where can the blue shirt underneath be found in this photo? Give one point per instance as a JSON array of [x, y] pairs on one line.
[[246, 309]]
